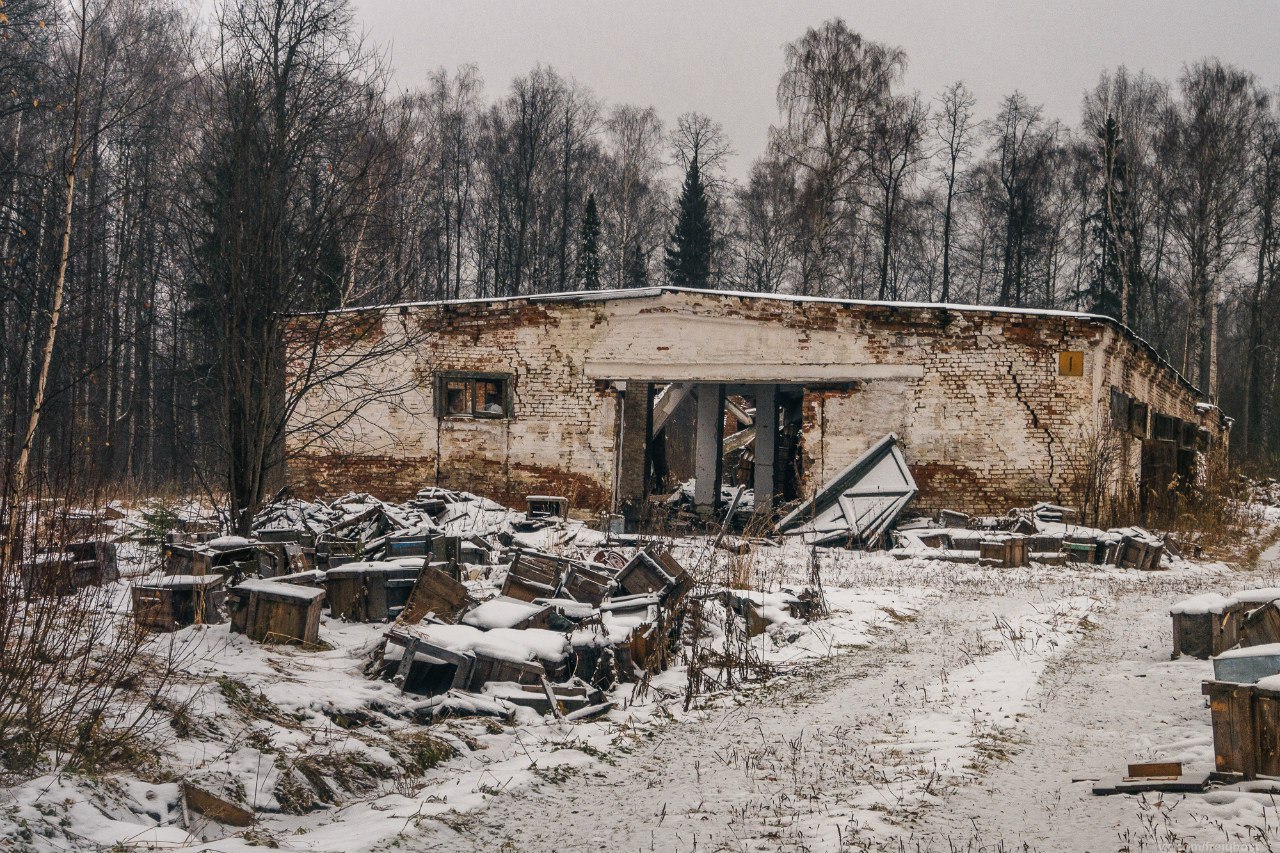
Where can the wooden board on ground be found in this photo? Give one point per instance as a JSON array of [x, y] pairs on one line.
[[1186, 783]]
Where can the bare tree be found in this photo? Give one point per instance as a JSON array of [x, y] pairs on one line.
[[1201, 147], [633, 198], [895, 154], [955, 127], [833, 89], [764, 227], [294, 144]]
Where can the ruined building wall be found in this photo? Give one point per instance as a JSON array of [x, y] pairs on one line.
[[560, 441], [987, 419]]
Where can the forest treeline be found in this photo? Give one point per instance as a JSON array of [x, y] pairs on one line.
[[168, 186]]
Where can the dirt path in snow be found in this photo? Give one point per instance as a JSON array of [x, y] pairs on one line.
[[1108, 699], [743, 778]]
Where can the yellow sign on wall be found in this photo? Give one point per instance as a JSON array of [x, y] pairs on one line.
[[1071, 363]]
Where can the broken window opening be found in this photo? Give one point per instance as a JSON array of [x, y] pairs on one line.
[[473, 395]]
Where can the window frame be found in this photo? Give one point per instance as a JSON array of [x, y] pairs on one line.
[[472, 378], [1139, 419]]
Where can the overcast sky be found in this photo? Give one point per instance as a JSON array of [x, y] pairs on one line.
[[723, 57]]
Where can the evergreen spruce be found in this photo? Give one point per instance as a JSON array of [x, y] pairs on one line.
[[636, 271], [1108, 222], [689, 254], [588, 273]]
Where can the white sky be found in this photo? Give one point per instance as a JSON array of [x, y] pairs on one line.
[[723, 57]]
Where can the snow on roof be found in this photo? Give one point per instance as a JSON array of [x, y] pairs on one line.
[[653, 292], [586, 296]]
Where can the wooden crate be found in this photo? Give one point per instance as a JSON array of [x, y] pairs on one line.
[[1011, 553], [1197, 635], [1134, 553], [1259, 626], [1234, 741], [654, 570], [361, 592], [533, 576], [176, 602], [588, 583], [1266, 728], [434, 591], [488, 668], [426, 668], [270, 612], [1205, 635]]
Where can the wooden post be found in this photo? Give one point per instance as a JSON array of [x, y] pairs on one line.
[[709, 447], [765, 445], [633, 452]]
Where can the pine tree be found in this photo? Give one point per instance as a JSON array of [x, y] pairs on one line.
[[689, 254], [1107, 291], [588, 273], [636, 272]]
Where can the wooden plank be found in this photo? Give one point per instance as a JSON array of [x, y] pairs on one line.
[[1267, 731], [1149, 769], [1260, 626], [435, 592], [406, 663]]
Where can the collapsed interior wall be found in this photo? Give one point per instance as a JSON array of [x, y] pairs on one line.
[[512, 397]]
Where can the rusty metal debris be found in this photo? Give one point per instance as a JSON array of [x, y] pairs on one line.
[[860, 504]]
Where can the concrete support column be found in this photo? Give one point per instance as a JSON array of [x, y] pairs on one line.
[[765, 445], [633, 453], [709, 446]]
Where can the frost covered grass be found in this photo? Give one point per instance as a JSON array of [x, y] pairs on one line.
[[923, 683]]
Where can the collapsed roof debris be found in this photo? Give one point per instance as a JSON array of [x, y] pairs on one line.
[[860, 503]]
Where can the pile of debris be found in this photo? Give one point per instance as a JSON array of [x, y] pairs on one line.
[[859, 506], [1045, 534], [480, 618], [560, 632]]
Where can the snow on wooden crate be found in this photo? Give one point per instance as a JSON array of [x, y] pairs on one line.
[[464, 657], [272, 612], [369, 591], [169, 603], [1210, 624], [505, 612]]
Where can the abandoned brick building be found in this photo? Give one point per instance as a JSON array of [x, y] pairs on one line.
[[611, 397]]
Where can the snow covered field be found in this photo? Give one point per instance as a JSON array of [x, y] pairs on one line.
[[940, 707]]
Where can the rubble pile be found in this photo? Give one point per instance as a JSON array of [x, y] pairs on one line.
[[1044, 533], [488, 608]]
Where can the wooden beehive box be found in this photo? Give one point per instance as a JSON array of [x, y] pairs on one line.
[[178, 601], [271, 612], [1134, 553], [1204, 635], [369, 592], [490, 668], [434, 591], [1259, 626], [532, 576], [1234, 742], [1010, 552]]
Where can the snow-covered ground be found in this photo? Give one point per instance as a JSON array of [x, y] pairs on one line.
[[941, 706]]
